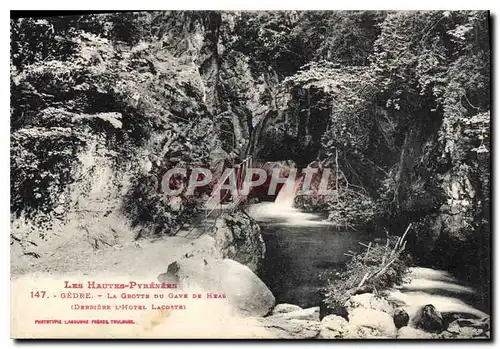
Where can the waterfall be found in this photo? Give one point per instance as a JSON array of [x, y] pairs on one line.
[[287, 193], [282, 212]]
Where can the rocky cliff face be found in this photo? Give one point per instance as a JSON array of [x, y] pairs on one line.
[[238, 237], [95, 125], [457, 234]]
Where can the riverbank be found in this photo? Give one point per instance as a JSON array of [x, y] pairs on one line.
[[202, 265], [304, 252]]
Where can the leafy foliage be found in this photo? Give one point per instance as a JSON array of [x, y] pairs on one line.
[[78, 79], [352, 209], [289, 39], [428, 71], [368, 262]]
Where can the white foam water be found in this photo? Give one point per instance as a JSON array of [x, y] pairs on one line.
[[284, 215], [412, 294], [282, 212]]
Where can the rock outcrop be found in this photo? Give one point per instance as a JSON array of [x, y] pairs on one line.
[[467, 329], [333, 327], [237, 237], [458, 329], [370, 323], [363, 324], [244, 291], [291, 329], [413, 333], [289, 321]]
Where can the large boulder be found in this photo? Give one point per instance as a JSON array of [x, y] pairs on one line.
[[285, 308], [374, 325], [311, 314], [369, 301], [363, 324], [333, 327], [244, 291], [370, 323], [429, 319], [237, 236]]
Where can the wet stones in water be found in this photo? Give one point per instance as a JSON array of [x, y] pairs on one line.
[[449, 317], [429, 319], [401, 317], [468, 328]]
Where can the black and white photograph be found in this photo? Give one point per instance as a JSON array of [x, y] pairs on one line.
[[216, 174]]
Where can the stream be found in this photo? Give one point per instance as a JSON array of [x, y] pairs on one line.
[[301, 247]]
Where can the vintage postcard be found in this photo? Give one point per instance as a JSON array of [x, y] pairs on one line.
[[233, 174]]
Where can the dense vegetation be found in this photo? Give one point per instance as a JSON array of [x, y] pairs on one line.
[[95, 84], [383, 264], [408, 128]]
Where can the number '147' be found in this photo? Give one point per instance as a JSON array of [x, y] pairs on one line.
[[37, 294]]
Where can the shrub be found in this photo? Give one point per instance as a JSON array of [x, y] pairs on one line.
[[382, 265], [353, 209], [155, 213]]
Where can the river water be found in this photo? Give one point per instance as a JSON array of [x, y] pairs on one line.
[[301, 248]]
